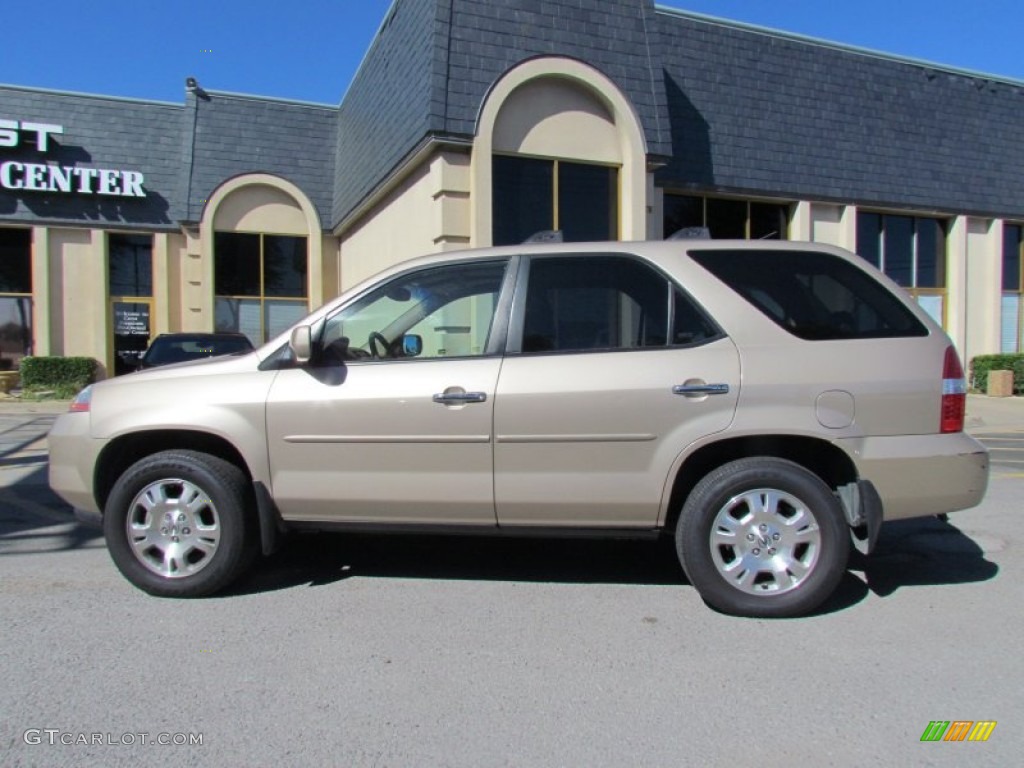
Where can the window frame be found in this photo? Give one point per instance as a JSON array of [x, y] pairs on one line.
[[749, 202], [915, 291], [28, 330], [1015, 291], [263, 300], [615, 222]]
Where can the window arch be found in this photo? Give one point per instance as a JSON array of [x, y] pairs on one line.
[[556, 141], [263, 238]]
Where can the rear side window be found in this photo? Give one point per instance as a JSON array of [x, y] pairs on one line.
[[814, 296], [580, 304]]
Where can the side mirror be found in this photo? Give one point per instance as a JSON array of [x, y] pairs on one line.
[[412, 345], [301, 343]]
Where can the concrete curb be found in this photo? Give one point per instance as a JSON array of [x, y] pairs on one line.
[[13, 405], [993, 414]]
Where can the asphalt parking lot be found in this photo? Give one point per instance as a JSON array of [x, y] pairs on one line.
[[399, 651]]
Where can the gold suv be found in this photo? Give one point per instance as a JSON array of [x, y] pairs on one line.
[[769, 405]]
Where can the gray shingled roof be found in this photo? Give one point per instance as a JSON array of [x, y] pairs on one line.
[[236, 134], [100, 132], [433, 61], [755, 111], [730, 108]]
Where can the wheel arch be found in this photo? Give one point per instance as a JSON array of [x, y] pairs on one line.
[[127, 449], [823, 458]]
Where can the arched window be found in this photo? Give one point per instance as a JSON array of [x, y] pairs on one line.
[[263, 241], [558, 146]]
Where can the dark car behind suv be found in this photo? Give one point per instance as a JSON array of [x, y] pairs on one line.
[[168, 348]]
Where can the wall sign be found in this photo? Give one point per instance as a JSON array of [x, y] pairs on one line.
[[49, 177]]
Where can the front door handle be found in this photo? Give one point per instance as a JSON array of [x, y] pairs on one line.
[[457, 396], [700, 389]]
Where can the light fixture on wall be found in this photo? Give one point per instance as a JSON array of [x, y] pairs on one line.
[[192, 86]]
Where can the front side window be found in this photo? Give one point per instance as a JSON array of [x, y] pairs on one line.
[[600, 303], [439, 312], [260, 283], [532, 195], [911, 250], [15, 296], [1012, 326]]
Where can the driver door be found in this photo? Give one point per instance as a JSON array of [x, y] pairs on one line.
[[391, 421]]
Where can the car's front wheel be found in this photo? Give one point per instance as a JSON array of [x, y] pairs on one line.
[[176, 523], [763, 537]]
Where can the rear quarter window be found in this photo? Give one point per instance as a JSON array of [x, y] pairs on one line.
[[813, 295]]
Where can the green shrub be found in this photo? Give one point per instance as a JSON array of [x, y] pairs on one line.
[[63, 376], [982, 364]]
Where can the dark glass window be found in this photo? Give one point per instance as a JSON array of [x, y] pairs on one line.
[[912, 251], [768, 221], [236, 264], [259, 282], [1012, 305], [131, 265], [284, 266], [682, 212], [898, 248], [909, 249], [532, 195], [15, 260], [15, 296], [726, 219], [587, 202], [1013, 255], [523, 195], [931, 254], [689, 324], [814, 296], [605, 303], [869, 241]]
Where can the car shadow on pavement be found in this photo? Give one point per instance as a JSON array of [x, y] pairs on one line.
[[923, 552], [316, 559], [33, 520], [927, 551]]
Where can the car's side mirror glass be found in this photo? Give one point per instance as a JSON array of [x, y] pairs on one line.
[[301, 343], [412, 345]]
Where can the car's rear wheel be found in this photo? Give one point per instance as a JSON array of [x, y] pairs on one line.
[[763, 537], [176, 523]]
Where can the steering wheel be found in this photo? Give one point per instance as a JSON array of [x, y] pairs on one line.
[[384, 345]]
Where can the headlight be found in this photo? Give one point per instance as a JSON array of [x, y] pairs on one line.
[[82, 401]]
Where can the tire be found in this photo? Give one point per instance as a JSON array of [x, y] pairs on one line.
[[763, 537], [176, 524]]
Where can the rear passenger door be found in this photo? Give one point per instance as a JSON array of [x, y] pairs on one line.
[[611, 371]]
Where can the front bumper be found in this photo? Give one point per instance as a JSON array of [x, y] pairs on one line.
[[922, 475], [73, 455]]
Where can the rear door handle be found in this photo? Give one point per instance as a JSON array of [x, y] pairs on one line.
[[460, 397], [700, 389]]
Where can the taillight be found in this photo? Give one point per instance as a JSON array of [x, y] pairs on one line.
[[954, 393]]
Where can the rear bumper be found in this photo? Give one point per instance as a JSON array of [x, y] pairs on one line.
[[922, 475]]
